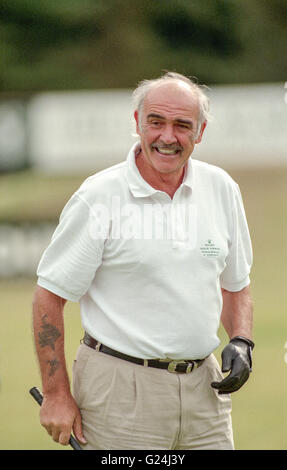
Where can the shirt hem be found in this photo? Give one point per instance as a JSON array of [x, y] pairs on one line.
[[57, 290], [235, 286]]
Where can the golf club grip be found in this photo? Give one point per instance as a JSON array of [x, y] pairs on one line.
[[37, 395]]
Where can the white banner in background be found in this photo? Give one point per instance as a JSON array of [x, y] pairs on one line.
[[12, 135], [79, 131], [86, 131]]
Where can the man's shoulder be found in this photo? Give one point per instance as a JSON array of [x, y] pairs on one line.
[[215, 173], [105, 175], [104, 182]]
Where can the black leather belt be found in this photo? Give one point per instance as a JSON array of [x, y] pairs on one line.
[[180, 366]]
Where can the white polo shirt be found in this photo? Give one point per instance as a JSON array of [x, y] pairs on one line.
[[147, 269]]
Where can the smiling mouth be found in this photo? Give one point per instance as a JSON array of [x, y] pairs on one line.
[[166, 151]]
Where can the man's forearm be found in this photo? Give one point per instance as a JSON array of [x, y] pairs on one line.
[[237, 313], [59, 413], [48, 326]]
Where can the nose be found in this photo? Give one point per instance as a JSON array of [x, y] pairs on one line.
[[167, 135]]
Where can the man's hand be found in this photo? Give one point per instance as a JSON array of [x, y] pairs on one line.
[[236, 356], [60, 415]]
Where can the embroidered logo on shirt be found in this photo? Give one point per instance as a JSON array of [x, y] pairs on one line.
[[209, 249]]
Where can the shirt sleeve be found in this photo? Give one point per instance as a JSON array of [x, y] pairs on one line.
[[69, 263], [239, 259]]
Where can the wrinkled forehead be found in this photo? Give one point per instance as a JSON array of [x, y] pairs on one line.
[[172, 99]]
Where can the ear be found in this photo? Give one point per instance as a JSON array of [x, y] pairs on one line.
[[203, 126], [136, 116]]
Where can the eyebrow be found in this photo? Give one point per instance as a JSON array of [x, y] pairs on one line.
[[159, 116]]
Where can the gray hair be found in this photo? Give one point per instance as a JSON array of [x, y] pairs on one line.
[[145, 86]]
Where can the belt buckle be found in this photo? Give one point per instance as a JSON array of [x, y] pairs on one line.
[[173, 365]]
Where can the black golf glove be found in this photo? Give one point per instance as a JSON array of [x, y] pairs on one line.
[[237, 357]]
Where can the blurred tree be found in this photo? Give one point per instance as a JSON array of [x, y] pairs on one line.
[[211, 29], [72, 44], [39, 39]]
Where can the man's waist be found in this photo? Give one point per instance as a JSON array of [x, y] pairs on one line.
[[172, 365]]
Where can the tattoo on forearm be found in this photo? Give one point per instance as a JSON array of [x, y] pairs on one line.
[[54, 364], [49, 335]]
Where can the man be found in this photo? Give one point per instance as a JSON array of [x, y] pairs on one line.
[[157, 250]]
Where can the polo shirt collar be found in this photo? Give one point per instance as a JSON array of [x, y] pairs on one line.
[[137, 184]]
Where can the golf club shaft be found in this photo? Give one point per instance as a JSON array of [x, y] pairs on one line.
[[37, 395]]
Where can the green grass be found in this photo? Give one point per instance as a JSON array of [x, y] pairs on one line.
[[30, 196], [259, 408], [19, 424]]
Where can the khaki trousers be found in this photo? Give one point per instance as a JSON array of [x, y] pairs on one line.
[[126, 406]]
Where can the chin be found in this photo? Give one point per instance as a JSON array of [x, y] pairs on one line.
[[166, 168], [167, 164]]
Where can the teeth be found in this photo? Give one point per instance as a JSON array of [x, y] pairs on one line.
[[167, 151]]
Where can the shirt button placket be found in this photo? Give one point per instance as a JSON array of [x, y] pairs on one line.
[[177, 225]]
